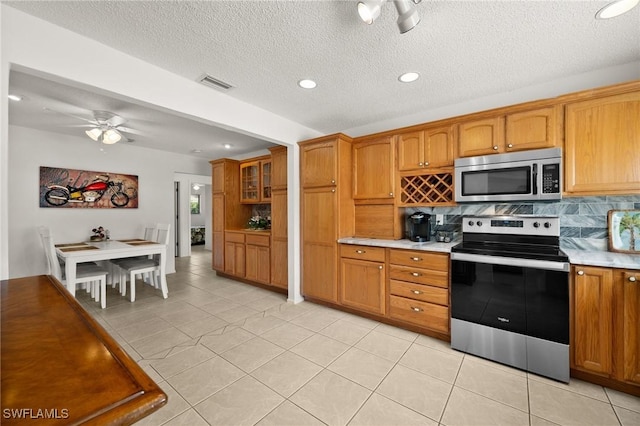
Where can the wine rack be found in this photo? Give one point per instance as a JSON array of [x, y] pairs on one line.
[[426, 189]]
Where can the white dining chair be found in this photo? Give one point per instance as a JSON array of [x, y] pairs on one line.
[[89, 274], [150, 234], [132, 267]]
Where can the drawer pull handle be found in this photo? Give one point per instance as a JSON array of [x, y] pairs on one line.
[[580, 272], [380, 267], [416, 291], [632, 279], [416, 259], [414, 309], [361, 251], [415, 274]]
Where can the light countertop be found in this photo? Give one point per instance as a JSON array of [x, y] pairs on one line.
[[578, 257], [401, 244]]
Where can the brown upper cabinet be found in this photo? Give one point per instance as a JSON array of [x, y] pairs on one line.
[[255, 181], [519, 131], [278, 167], [426, 149], [318, 164], [602, 142], [373, 168]]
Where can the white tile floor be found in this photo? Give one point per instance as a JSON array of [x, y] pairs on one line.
[[227, 353]]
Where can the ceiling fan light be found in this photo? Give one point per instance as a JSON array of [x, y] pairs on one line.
[[94, 133], [616, 8], [408, 16], [111, 136], [369, 10]]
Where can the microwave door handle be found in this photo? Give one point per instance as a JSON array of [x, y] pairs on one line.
[[534, 179]]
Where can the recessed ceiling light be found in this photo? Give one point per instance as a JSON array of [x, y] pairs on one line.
[[408, 77], [616, 8], [227, 146], [307, 84], [16, 98]]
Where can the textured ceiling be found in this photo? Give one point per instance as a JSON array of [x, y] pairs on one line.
[[463, 50]]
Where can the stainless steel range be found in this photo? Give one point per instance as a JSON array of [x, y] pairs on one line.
[[510, 293]]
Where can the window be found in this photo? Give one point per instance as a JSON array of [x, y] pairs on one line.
[[195, 204]]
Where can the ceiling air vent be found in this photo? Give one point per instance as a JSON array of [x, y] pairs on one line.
[[214, 82]]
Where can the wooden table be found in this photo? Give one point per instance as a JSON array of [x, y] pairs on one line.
[[60, 366], [107, 250]]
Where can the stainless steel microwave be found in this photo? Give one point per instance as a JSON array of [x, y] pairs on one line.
[[534, 175]]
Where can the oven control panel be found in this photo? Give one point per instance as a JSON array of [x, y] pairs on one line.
[[516, 225]]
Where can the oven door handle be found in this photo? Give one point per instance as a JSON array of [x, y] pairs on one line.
[[510, 261]]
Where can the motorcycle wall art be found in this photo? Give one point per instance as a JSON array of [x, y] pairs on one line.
[[70, 188]]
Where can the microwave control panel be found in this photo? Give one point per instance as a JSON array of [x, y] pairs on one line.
[[551, 178]]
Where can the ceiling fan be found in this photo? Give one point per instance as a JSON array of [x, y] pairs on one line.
[[106, 127]]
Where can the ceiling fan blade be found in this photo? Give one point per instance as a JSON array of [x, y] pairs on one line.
[[95, 123], [115, 121], [129, 130]]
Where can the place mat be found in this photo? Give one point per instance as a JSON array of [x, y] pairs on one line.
[[131, 240], [79, 248], [141, 243], [71, 244]]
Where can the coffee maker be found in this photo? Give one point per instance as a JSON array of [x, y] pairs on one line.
[[418, 227]]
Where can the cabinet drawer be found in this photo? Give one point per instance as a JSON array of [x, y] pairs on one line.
[[428, 315], [425, 293], [419, 275], [258, 240], [234, 237], [419, 259], [375, 254]]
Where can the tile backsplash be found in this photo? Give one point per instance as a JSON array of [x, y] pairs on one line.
[[583, 220]]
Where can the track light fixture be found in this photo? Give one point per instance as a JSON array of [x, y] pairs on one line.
[[408, 16]]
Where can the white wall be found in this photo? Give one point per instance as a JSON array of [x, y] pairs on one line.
[[29, 149]]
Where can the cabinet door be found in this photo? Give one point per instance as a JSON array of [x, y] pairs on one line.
[[532, 129], [362, 285], [439, 147], [258, 261], [481, 137], [319, 207], [279, 244], [631, 317], [373, 169], [250, 182], [265, 185], [592, 319], [410, 148], [278, 168], [602, 137], [318, 165], [234, 259], [217, 210], [217, 178]]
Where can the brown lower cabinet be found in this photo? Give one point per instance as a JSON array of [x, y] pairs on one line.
[[258, 258], [605, 325], [363, 277], [409, 287]]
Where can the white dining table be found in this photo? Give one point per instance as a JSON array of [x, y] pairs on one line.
[[91, 251]]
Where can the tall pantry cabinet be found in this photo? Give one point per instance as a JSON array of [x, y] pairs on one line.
[[279, 226], [327, 212], [226, 210]]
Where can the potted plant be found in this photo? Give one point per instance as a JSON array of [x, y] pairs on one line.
[[257, 222], [98, 234]]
